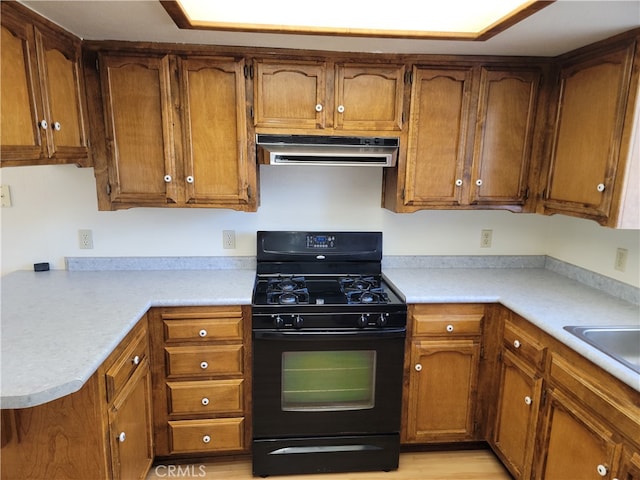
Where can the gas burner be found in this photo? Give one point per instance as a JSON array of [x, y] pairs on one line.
[[287, 291], [363, 290], [373, 295]]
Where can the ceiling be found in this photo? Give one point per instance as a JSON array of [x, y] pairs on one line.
[[558, 28]]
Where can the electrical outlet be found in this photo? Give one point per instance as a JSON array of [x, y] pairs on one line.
[[85, 239], [228, 239], [621, 259], [485, 238]]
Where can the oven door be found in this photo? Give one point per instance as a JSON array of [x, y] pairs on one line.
[[316, 383]]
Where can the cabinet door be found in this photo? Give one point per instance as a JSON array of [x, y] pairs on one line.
[[518, 406], [130, 429], [588, 134], [139, 123], [59, 66], [442, 390], [630, 466], [214, 128], [369, 97], [20, 110], [575, 445], [290, 94], [438, 127], [504, 134]]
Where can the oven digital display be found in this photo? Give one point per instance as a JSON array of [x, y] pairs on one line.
[[321, 241]]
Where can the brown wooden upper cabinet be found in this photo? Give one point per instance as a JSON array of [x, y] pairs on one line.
[[470, 139], [43, 102], [590, 171], [323, 94], [175, 131]]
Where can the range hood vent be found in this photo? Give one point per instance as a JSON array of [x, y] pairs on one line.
[[325, 150]]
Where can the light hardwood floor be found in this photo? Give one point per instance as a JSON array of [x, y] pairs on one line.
[[455, 465]]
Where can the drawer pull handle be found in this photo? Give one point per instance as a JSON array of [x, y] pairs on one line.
[[602, 470], [122, 437], [449, 328], [516, 343], [206, 439], [136, 360], [418, 367], [202, 333], [204, 365], [527, 400], [205, 401]]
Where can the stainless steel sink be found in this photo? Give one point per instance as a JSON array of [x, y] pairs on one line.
[[620, 343]]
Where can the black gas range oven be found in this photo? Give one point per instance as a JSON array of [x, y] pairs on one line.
[[328, 353]]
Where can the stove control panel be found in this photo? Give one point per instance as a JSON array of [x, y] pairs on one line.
[[321, 241], [336, 321]]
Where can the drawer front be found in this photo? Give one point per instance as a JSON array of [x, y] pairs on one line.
[[125, 366], [447, 324], [206, 435], [208, 397], [523, 346], [204, 360], [203, 329]]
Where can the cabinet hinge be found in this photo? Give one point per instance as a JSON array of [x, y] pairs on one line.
[[97, 65], [402, 194], [500, 356], [526, 193], [108, 189], [408, 77], [249, 191], [248, 71], [543, 398], [481, 351], [475, 426]]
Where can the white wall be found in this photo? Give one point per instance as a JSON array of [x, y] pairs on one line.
[[50, 204]]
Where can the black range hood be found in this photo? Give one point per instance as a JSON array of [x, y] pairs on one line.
[[326, 150]]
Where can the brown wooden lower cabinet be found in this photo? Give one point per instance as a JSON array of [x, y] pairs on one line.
[[95, 433]]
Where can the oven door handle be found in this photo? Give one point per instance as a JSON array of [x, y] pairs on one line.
[[298, 335]]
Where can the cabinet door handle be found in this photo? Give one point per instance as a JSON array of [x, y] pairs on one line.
[[122, 437], [57, 127], [205, 401], [418, 367], [136, 360], [204, 365], [449, 328], [602, 470], [318, 108], [190, 179], [206, 439], [600, 187], [43, 124], [527, 400], [202, 333], [167, 178], [459, 182], [340, 108], [516, 343], [479, 182]]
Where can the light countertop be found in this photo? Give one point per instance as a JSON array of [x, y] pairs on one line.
[[59, 326]]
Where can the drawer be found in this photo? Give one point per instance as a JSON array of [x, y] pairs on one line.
[[204, 360], [127, 363], [445, 324], [206, 435], [209, 397], [523, 346], [203, 329]]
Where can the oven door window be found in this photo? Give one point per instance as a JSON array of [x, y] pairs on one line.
[[328, 380]]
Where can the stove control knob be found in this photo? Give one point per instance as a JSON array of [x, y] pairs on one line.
[[278, 321], [363, 321], [382, 320], [298, 321]]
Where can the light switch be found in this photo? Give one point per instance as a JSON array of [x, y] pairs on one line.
[[5, 195]]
